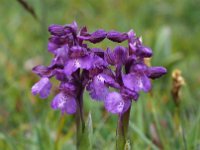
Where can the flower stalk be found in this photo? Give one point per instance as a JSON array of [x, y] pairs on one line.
[[122, 129], [80, 123]]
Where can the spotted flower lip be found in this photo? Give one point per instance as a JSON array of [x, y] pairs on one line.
[[97, 89], [99, 86], [115, 104], [137, 82], [65, 103]]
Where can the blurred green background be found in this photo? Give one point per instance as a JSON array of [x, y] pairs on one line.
[[170, 27]]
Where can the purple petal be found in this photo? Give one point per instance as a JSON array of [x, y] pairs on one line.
[[83, 31], [98, 36], [137, 82], [121, 54], [118, 56], [144, 51], [94, 72], [42, 88], [133, 48], [58, 40], [97, 62], [52, 47], [94, 37], [131, 36], [156, 72], [91, 62], [104, 78], [115, 104], [65, 103], [110, 57], [116, 36], [77, 51], [140, 67], [97, 89], [85, 37], [98, 51], [129, 94], [57, 30], [87, 62], [73, 27], [71, 66], [43, 71], [60, 75], [69, 88], [61, 55]]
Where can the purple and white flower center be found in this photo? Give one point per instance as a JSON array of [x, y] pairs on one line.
[[120, 106], [77, 63], [62, 102], [100, 78]]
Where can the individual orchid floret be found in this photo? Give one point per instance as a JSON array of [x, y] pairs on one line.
[[57, 30], [116, 36], [137, 80], [116, 104], [156, 72], [43, 71], [98, 87], [94, 37], [67, 104], [42, 88]]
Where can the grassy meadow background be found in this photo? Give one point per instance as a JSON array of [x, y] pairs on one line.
[[170, 27]]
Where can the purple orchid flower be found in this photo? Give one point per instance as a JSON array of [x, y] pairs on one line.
[[42, 88], [79, 67]]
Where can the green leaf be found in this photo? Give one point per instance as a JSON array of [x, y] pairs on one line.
[[142, 136], [89, 128], [162, 48]]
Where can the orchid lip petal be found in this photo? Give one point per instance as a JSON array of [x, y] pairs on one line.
[[97, 89], [115, 104], [137, 82], [42, 88], [65, 103]]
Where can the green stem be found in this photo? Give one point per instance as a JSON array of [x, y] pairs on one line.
[[122, 128], [80, 123]]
